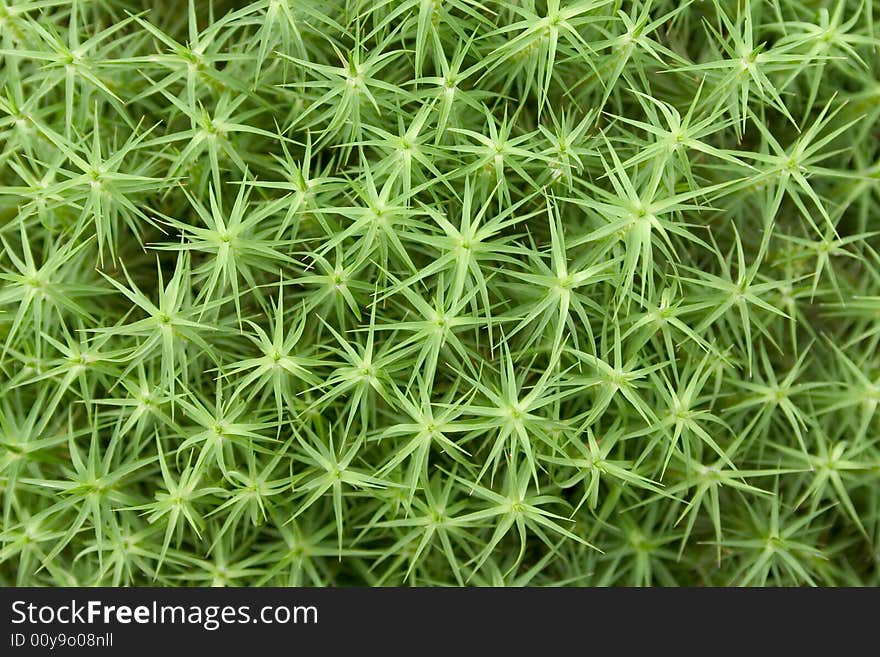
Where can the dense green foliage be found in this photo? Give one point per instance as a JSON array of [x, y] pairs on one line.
[[439, 292]]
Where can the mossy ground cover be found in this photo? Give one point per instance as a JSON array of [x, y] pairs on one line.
[[439, 292]]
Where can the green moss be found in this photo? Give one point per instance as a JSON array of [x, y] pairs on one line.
[[525, 293]]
